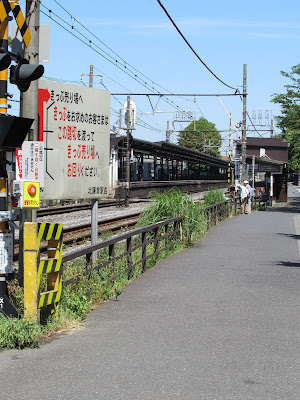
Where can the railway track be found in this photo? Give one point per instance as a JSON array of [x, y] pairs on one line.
[[44, 212], [81, 233]]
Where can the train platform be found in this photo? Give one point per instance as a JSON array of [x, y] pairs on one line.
[[218, 321]]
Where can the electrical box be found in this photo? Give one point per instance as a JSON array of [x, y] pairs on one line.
[[26, 194]]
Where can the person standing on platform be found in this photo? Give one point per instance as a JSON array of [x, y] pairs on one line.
[[243, 193], [249, 188]]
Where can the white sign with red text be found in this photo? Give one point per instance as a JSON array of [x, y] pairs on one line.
[[75, 127], [33, 162], [18, 164]]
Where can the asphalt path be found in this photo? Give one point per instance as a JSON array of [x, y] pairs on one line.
[[214, 322]]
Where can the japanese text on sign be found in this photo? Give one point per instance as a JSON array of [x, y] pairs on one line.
[[76, 135]]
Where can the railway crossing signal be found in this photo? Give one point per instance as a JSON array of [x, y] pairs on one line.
[[23, 73], [12, 5], [5, 60]]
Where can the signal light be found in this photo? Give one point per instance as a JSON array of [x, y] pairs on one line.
[[24, 73], [5, 60], [14, 201]]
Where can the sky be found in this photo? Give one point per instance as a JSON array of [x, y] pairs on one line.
[[136, 50]]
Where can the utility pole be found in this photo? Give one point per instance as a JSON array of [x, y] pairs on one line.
[[29, 99], [167, 132], [29, 107], [128, 113], [229, 155], [94, 203], [244, 127]]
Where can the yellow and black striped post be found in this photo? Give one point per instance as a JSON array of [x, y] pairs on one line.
[[30, 270], [3, 109], [51, 266], [13, 5], [3, 74]]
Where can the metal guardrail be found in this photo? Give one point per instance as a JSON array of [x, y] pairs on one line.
[[170, 228], [139, 240], [216, 212]]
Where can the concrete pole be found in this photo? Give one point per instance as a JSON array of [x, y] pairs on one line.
[[128, 154], [29, 99], [29, 105], [244, 127]]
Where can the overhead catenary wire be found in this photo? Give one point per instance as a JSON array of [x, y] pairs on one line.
[[119, 62], [180, 33], [126, 68]]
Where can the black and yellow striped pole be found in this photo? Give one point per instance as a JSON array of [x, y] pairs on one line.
[[3, 180], [5, 59], [3, 74]]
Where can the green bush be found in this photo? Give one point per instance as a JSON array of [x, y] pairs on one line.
[[19, 333], [213, 197], [174, 203]]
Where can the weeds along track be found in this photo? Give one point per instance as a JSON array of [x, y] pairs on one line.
[[79, 234]]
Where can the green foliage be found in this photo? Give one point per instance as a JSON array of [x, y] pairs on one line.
[[171, 204], [289, 120], [202, 136], [18, 333], [16, 295], [213, 197], [94, 287]]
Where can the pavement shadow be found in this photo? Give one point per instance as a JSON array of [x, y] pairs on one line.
[[289, 264], [290, 235], [290, 208]]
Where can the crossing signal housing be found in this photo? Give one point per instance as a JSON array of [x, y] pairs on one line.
[[24, 73], [5, 60]]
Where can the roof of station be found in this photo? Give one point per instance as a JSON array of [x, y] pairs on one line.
[[175, 152]]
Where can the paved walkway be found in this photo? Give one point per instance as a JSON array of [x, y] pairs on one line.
[[217, 321]]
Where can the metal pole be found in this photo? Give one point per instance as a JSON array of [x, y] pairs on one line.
[[244, 139], [128, 154], [253, 172], [167, 132], [229, 154], [5, 304], [3, 174], [94, 202]]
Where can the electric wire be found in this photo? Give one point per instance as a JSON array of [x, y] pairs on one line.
[[125, 62], [162, 129], [178, 30], [106, 56], [126, 66]]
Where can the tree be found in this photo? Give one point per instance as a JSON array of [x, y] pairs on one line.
[[201, 135], [289, 120]]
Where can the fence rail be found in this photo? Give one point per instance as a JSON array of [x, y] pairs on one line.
[[140, 239], [148, 235]]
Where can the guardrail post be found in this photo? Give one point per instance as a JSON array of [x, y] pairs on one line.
[[111, 255], [30, 270], [144, 252], [129, 256], [166, 234]]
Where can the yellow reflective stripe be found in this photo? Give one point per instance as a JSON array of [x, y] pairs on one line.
[[3, 13], [50, 231], [59, 231]]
